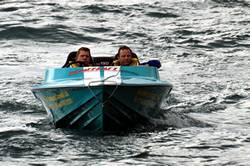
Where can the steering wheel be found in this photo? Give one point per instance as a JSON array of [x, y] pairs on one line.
[[74, 62]]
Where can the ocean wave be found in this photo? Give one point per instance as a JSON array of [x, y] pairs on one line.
[[9, 9], [14, 106], [131, 35], [99, 8], [178, 120], [232, 40], [220, 43], [231, 3], [162, 14], [187, 32], [59, 34], [8, 132], [233, 98], [207, 106], [98, 29]]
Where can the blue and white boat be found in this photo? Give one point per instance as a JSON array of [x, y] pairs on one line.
[[102, 98]]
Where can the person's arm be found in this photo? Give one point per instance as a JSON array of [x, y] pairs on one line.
[[154, 63]]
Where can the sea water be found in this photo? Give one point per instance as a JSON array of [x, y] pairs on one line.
[[204, 48]]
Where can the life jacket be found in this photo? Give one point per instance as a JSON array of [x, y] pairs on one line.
[[74, 65], [134, 62], [77, 65]]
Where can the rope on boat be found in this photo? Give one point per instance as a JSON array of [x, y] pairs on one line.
[[113, 92]]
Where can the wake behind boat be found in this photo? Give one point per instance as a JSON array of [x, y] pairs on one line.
[[102, 98]]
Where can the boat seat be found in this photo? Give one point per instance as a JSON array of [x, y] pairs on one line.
[[97, 61], [103, 61], [71, 57]]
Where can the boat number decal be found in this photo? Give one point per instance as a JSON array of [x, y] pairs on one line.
[[85, 69], [61, 95], [111, 68], [60, 104], [59, 100], [146, 98]]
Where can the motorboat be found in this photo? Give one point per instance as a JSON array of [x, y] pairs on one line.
[[102, 98]]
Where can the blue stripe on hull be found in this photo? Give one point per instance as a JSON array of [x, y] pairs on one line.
[[86, 116]]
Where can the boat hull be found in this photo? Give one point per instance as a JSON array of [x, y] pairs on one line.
[[102, 98], [102, 108]]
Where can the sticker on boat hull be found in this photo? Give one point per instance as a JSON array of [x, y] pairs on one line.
[[108, 75]]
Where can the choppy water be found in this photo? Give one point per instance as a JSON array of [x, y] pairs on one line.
[[204, 47]]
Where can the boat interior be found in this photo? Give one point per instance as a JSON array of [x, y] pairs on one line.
[[97, 61]]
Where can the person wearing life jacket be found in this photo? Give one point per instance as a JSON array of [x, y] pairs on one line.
[[125, 57], [83, 58]]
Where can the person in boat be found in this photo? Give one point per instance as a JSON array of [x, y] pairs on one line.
[[80, 58], [126, 57]]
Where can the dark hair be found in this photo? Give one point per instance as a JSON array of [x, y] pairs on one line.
[[87, 50], [125, 48]]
